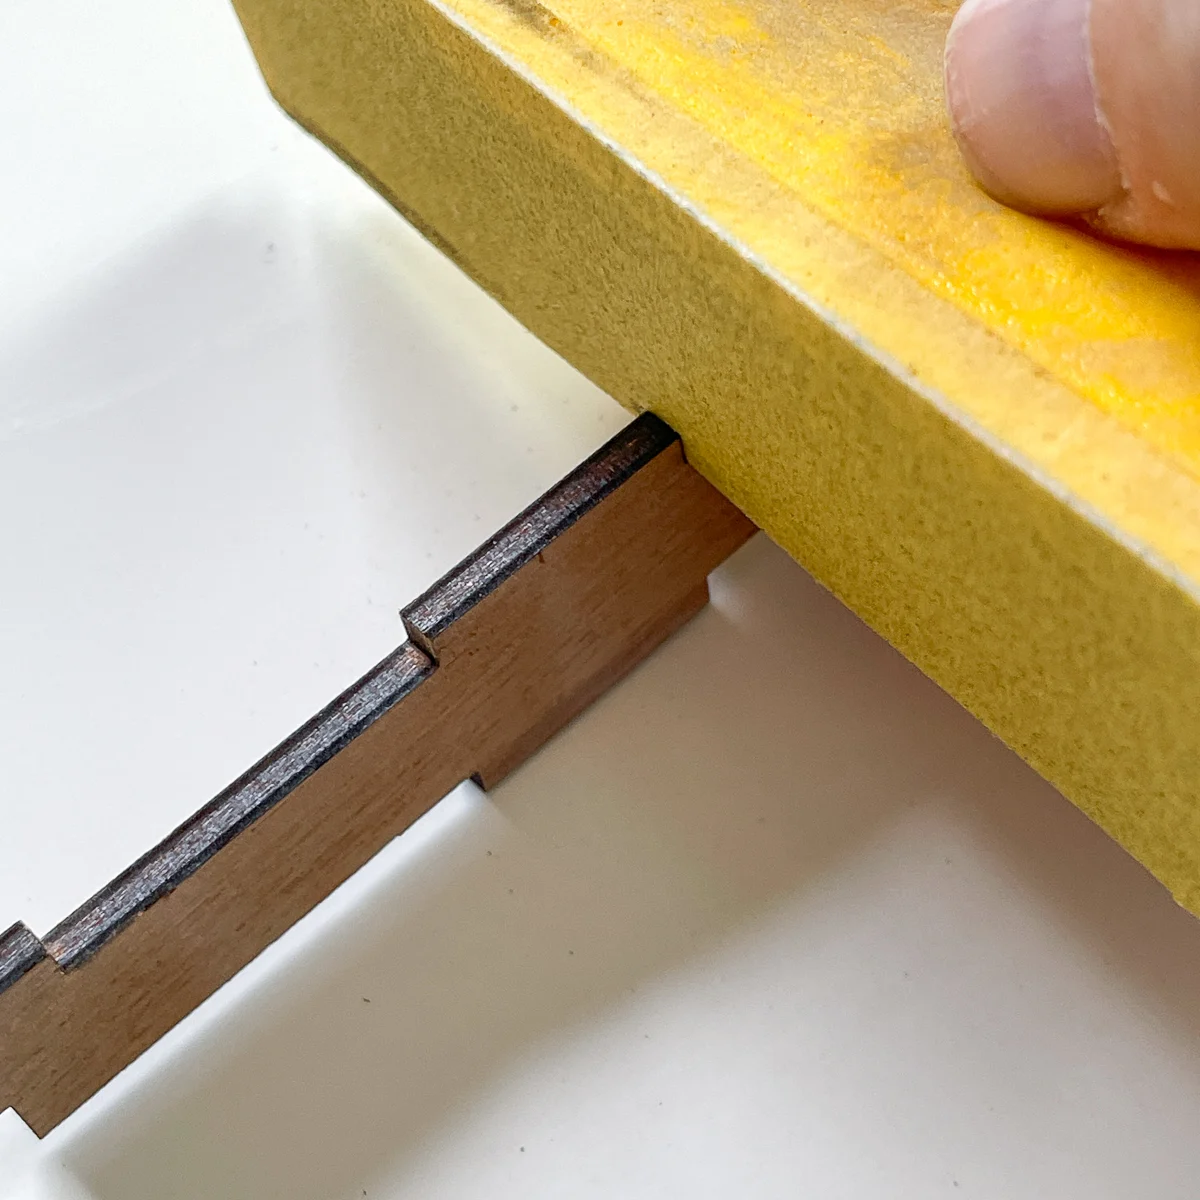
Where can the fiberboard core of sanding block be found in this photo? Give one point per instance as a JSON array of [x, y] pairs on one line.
[[980, 430]]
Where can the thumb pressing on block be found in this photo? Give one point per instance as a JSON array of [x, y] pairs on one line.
[[1083, 108]]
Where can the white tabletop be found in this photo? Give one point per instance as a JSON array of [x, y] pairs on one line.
[[776, 918]]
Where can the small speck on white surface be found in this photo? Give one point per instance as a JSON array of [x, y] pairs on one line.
[[27, 1171]]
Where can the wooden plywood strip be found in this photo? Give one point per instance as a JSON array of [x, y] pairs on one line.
[[245, 801], [529, 534], [513, 644]]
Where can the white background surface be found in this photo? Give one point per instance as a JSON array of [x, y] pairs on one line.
[[775, 919]]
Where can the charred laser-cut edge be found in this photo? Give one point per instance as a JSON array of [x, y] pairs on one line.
[[180, 854], [20, 951], [247, 799], [527, 535]]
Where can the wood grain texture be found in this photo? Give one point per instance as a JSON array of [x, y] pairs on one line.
[[502, 653]]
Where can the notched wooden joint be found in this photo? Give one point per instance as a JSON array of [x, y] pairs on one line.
[[502, 653], [527, 536]]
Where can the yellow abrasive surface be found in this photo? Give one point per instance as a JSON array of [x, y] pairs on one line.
[[981, 430]]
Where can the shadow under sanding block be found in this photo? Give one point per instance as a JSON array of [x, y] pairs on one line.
[[980, 430]]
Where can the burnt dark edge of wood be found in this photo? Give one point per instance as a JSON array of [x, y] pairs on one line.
[[73, 941], [528, 534], [20, 951], [243, 802]]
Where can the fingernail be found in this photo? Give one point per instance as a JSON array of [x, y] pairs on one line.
[[1022, 100]]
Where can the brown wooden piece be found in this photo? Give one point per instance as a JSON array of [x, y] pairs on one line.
[[503, 652]]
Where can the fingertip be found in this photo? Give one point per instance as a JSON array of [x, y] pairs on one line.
[[1023, 107]]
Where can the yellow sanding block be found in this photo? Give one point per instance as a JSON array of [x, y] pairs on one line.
[[981, 430]]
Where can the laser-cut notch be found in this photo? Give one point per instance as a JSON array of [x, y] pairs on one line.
[[503, 652]]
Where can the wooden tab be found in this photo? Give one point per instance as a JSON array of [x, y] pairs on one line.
[[503, 652], [429, 616]]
